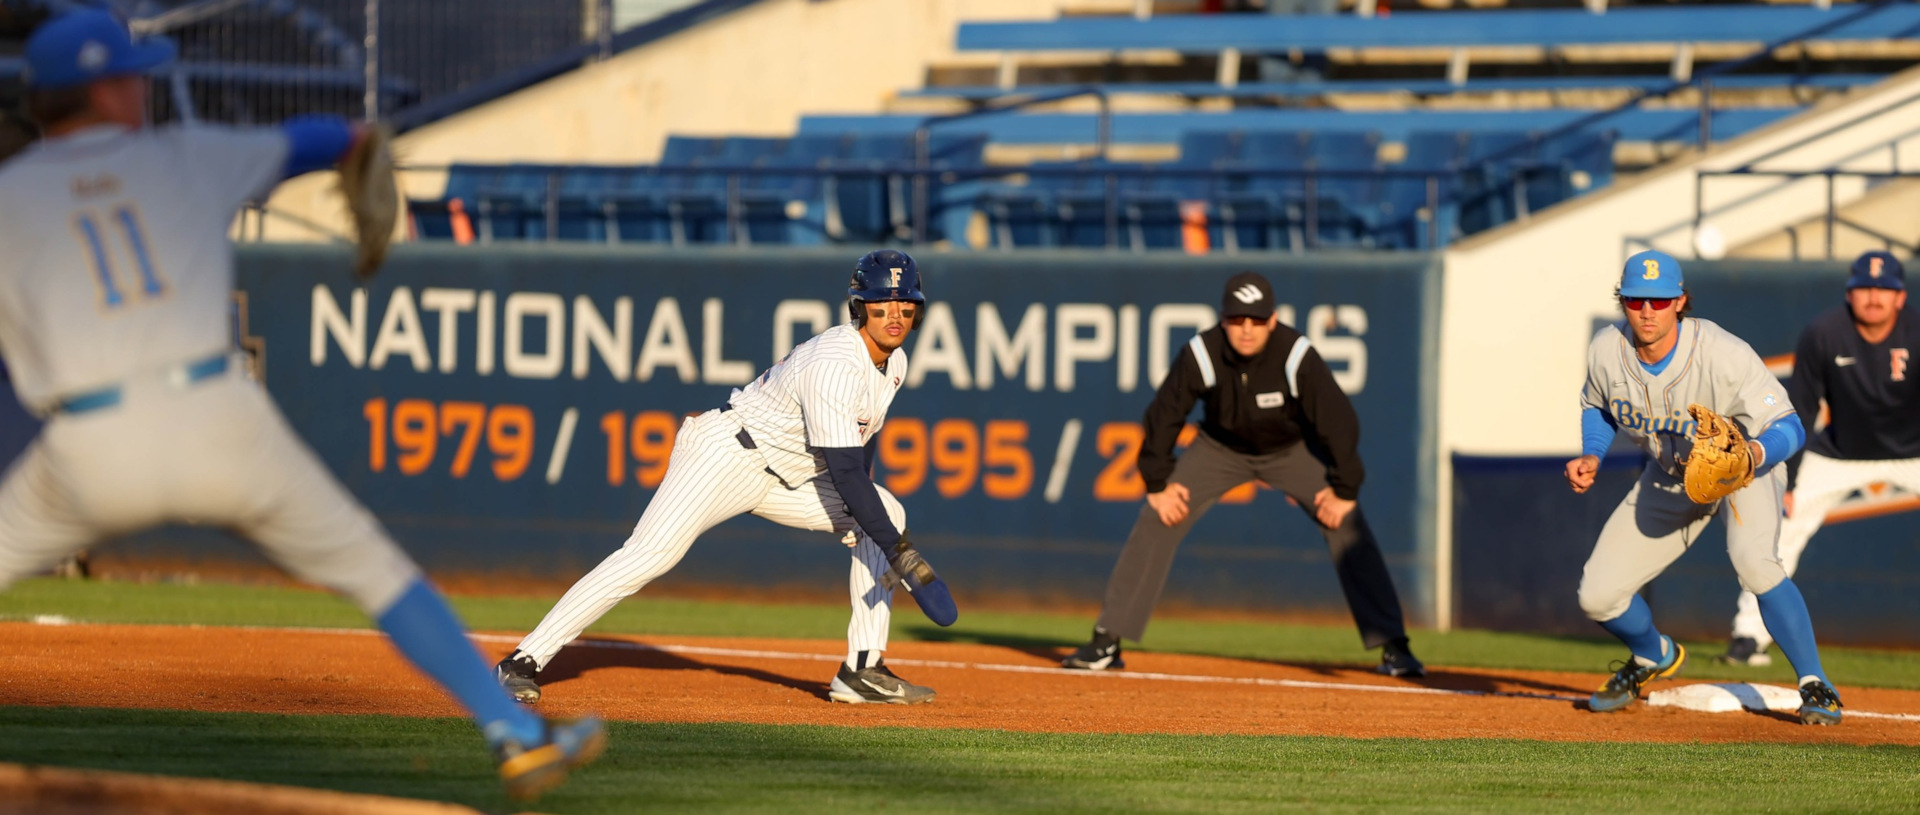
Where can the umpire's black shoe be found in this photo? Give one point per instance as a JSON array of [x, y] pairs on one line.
[[516, 674], [1102, 653], [1397, 659]]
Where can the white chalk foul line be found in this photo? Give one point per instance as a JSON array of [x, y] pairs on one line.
[[1149, 676]]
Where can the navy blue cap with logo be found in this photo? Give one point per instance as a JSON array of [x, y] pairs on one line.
[[85, 45], [1877, 270]]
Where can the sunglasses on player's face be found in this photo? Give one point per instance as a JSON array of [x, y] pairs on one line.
[[1242, 319], [1655, 303]]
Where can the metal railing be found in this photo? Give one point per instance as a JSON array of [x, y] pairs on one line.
[[1300, 212], [1831, 175]]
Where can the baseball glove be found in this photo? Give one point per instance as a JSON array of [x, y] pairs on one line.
[[911, 571], [1720, 462], [373, 196]]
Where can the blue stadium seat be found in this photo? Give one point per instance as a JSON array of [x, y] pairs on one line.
[[1347, 208], [790, 208], [432, 218], [513, 204], [1406, 207], [1493, 178], [612, 204], [1569, 166]]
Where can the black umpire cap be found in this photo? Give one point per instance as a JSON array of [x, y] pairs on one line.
[[1247, 295]]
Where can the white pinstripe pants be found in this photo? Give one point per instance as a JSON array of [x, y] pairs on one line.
[[711, 478], [1823, 483]]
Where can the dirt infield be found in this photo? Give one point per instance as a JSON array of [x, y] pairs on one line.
[[681, 679]]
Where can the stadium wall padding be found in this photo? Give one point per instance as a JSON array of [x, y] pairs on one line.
[[453, 443]]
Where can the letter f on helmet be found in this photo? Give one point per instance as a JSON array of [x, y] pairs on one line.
[[880, 276]]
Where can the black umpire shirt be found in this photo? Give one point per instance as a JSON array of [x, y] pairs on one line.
[[1872, 390], [1283, 396]]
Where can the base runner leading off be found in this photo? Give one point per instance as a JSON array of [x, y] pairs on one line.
[[795, 447]]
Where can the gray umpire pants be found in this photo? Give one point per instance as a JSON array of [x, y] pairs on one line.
[[1208, 470]]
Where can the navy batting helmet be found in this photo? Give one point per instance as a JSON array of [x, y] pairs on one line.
[[881, 275]]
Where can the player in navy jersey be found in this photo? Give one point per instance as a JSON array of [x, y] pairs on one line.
[[1858, 359]]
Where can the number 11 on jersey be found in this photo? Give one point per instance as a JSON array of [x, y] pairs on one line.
[[87, 224]]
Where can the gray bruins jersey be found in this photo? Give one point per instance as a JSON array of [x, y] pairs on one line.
[[1709, 366]]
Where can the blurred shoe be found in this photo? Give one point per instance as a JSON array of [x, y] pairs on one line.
[[875, 686], [1819, 703], [1397, 659], [528, 770], [76, 567], [1745, 651], [1102, 653], [516, 673], [1623, 688]]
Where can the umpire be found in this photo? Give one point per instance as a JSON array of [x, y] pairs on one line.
[[1273, 413]]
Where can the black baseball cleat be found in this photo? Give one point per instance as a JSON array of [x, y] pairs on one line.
[[1102, 653], [875, 686], [1397, 659], [516, 674], [1819, 703]]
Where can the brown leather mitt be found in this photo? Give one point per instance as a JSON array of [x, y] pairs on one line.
[[1721, 462]]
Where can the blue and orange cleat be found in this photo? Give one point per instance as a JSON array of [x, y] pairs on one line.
[[1623, 688], [528, 770]]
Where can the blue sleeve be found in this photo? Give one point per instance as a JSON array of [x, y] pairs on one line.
[[1596, 432], [317, 143], [1782, 440], [846, 465]]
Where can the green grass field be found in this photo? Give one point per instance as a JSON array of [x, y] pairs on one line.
[[751, 768]]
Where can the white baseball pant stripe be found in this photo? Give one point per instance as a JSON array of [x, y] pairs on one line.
[[711, 478], [1823, 483], [216, 452]]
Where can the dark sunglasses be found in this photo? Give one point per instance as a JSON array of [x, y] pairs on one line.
[[1655, 303], [1241, 319]]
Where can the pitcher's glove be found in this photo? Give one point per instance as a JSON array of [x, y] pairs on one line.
[[1721, 462], [373, 196], [910, 570]]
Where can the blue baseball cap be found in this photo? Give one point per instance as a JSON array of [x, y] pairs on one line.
[[1651, 274], [81, 46], [1877, 270]]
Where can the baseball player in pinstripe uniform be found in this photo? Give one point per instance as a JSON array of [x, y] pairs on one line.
[[794, 447], [114, 293], [1642, 374], [1856, 358]]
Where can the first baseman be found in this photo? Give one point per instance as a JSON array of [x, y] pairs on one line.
[[114, 294], [794, 447], [1643, 373], [1855, 358]]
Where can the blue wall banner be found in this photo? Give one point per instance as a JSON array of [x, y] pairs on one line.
[[508, 410]]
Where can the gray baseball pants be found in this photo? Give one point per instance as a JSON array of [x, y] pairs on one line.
[[1208, 471]]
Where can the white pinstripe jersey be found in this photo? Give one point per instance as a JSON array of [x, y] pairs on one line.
[[116, 259], [1710, 366], [825, 393]]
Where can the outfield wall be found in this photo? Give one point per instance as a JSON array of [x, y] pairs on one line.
[[1010, 445], [508, 410]]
